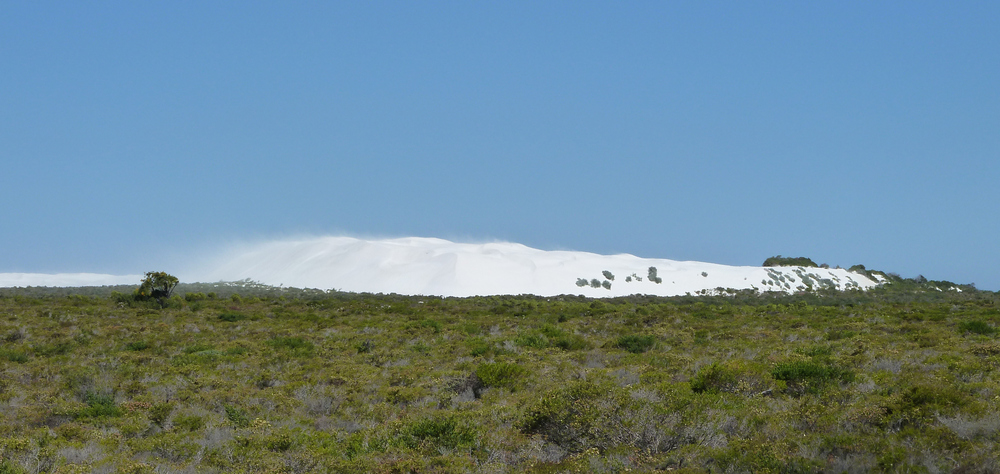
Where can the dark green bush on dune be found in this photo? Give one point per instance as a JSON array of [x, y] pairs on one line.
[[779, 261]]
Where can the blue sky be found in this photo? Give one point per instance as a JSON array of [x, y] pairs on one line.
[[139, 134]]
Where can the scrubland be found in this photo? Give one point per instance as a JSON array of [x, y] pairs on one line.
[[330, 382]]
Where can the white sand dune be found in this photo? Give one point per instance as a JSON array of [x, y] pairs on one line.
[[426, 266]]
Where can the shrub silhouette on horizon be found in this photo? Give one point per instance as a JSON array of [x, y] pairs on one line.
[[779, 261]]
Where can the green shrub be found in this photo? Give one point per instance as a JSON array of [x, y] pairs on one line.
[[137, 346], [934, 397], [635, 344], [760, 454], [471, 328], [365, 346], [279, 442], [71, 431], [399, 308], [563, 340], [651, 275], [232, 316], [533, 340], [237, 416], [159, 413], [710, 379], [976, 327], [9, 467], [295, 344], [551, 336], [18, 357], [927, 340], [99, 405], [779, 261], [802, 370], [608, 275], [990, 349], [500, 374], [809, 375], [191, 297], [189, 422], [479, 346], [48, 350], [238, 350], [124, 299], [821, 352], [442, 431], [593, 414], [198, 348], [838, 334], [430, 324], [733, 376]]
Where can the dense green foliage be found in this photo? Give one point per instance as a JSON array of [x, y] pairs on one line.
[[255, 379], [635, 343], [779, 261], [156, 285]]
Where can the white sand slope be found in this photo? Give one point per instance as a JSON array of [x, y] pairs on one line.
[[426, 266], [66, 279]]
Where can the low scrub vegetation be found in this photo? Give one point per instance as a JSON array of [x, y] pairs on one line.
[[256, 379]]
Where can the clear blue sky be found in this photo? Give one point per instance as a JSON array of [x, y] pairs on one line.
[[136, 133]]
